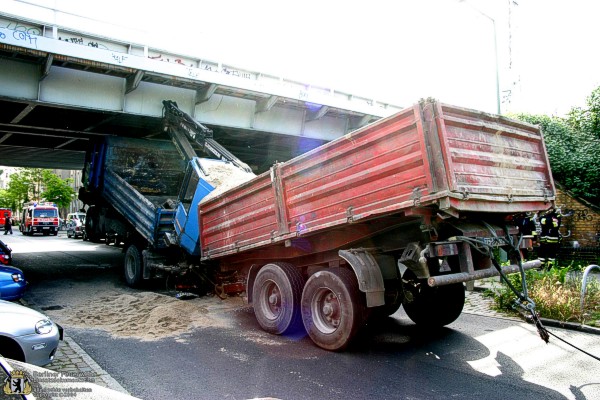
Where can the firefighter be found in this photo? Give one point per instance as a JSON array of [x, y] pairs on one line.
[[7, 224], [550, 237]]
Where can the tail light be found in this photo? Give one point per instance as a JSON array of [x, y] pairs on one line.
[[17, 277]]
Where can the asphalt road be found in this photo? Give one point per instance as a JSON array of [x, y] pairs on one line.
[[476, 357]]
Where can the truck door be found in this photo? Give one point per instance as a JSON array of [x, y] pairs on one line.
[[193, 189]]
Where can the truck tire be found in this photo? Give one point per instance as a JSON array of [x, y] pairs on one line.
[[277, 292], [432, 307], [92, 224], [332, 311], [133, 266]]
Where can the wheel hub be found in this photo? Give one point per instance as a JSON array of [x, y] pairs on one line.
[[327, 311]]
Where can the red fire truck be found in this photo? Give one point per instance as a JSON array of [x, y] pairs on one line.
[[4, 212], [39, 218]]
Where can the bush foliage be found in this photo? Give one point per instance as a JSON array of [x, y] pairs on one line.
[[557, 295], [573, 145]]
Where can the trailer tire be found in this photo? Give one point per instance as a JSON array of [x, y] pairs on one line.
[[132, 266], [92, 223], [277, 292], [431, 307], [332, 310]]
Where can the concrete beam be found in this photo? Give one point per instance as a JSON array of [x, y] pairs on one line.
[[205, 93], [133, 81], [45, 67], [266, 104], [29, 108], [317, 114]]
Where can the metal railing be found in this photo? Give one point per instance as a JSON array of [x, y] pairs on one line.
[[584, 283]]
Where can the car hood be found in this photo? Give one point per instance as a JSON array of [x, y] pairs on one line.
[[7, 307], [17, 320]]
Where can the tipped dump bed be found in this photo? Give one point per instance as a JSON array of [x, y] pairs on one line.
[[137, 177], [436, 156]]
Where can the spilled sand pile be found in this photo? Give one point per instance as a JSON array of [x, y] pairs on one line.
[[143, 315]]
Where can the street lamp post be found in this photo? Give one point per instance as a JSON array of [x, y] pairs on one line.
[[495, 52]]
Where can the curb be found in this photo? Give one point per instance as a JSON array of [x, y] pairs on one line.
[[110, 382]]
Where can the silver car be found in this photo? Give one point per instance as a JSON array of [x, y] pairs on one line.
[[27, 335]]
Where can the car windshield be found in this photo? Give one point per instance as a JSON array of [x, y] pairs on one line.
[[45, 213]]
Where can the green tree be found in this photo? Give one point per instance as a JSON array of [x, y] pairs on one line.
[[574, 154], [19, 188], [57, 190], [37, 184], [5, 201], [587, 120]]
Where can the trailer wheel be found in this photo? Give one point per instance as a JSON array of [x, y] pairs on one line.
[[133, 266], [92, 222], [331, 308], [429, 306], [277, 292]]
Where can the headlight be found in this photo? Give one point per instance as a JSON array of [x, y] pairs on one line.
[[17, 277], [43, 327]]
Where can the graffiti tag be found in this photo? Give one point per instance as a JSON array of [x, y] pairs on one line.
[[120, 58], [23, 28], [83, 42], [25, 37]]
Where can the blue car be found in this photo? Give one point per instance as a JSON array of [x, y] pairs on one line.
[[12, 280], [12, 283]]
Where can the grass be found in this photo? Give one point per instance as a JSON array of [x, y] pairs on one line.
[[556, 293]]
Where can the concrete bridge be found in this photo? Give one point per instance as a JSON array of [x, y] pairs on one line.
[[61, 87]]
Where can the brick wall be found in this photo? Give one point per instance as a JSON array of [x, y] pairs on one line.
[[584, 224]]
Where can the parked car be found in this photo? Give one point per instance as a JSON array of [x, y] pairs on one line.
[[12, 283], [27, 335], [76, 216], [76, 228], [5, 254]]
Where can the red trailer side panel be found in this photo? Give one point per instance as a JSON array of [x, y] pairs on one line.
[[430, 155]]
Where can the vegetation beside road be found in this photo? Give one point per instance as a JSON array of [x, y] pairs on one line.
[[573, 145], [556, 293]]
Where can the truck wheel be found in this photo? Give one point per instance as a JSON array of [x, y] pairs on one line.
[[92, 223], [133, 266], [277, 292], [429, 306], [331, 308]]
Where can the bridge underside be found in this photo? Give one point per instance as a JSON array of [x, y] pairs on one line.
[[56, 96], [42, 135], [39, 128]]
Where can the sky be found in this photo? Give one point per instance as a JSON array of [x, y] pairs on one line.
[[394, 51]]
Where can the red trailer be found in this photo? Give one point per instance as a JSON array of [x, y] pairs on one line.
[[402, 211]]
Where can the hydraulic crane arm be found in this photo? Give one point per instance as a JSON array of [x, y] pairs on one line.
[[182, 128]]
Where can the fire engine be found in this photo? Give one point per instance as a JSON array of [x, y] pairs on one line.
[[39, 218], [4, 212]]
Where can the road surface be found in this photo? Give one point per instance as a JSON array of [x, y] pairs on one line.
[[158, 347]]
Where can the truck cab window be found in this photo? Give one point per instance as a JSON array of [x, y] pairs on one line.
[[190, 190]]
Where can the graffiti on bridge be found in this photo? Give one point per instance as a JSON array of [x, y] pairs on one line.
[[174, 60], [83, 42], [15, 26]]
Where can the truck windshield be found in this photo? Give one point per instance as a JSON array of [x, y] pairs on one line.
[[45, 213], [186, 201]]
